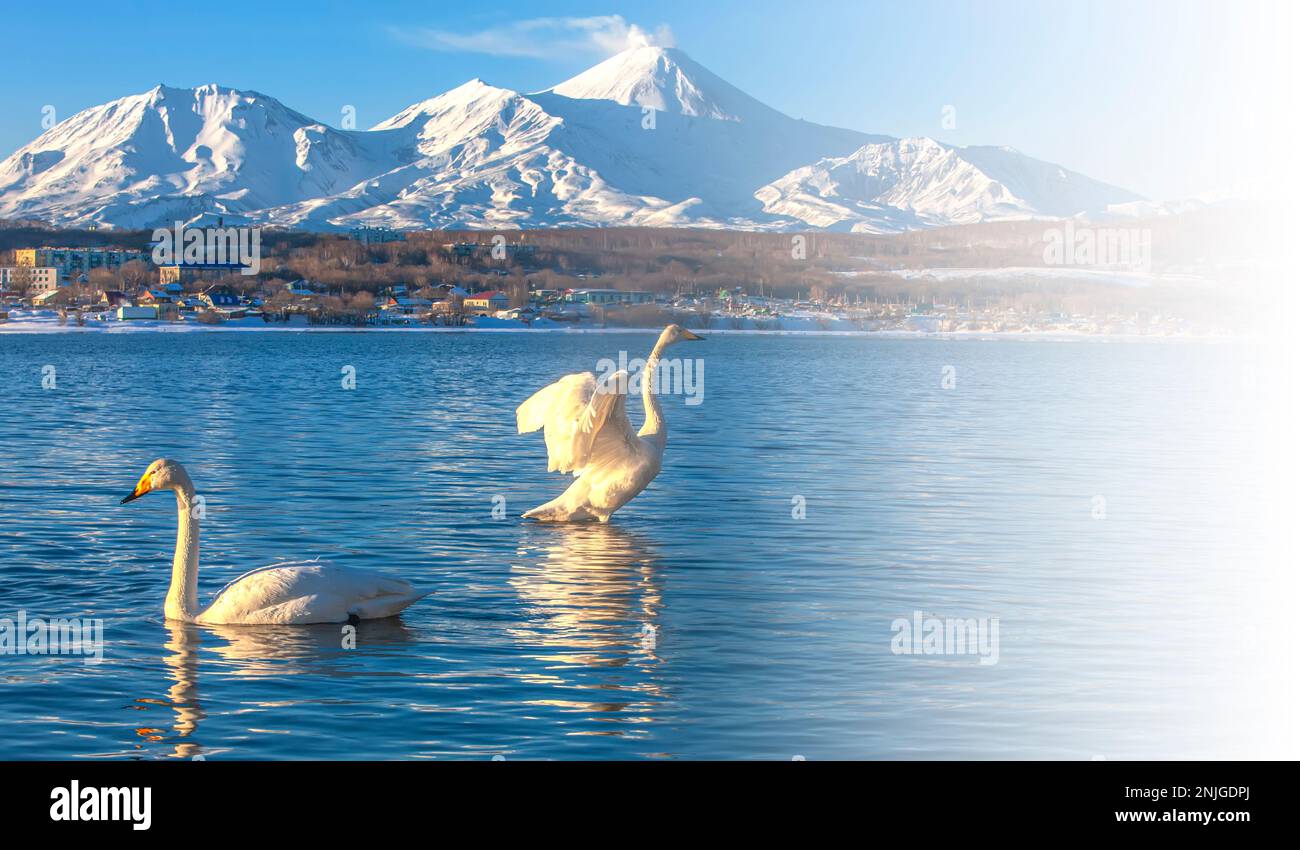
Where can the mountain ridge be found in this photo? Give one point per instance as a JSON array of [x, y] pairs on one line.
[[647, 137]]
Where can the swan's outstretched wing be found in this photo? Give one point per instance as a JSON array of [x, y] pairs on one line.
[[309, 592], [585, 421]]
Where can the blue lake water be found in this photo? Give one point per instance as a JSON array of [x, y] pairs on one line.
[[1100, 499]]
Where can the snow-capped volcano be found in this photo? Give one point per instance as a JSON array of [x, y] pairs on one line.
[[585, 152], [175, 153], [666, 79], [918, 182]]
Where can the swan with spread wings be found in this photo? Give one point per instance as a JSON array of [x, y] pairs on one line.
[[588, 434]]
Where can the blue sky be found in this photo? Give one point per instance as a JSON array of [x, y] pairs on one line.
[[1163, 97]]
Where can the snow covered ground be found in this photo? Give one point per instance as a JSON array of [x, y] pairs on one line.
[[46, 322], [1117, 277]]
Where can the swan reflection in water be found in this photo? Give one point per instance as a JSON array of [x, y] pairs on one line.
[[181, 658], [593, 600], [592, 597], [250, 652]]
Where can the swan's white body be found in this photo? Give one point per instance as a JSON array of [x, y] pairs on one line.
[[588, 434], [310, 592], [285, 594]]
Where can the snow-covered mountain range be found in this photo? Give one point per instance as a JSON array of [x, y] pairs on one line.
[[647, 137]]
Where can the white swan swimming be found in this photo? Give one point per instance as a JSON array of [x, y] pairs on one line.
[[291, 593], [588, 433]]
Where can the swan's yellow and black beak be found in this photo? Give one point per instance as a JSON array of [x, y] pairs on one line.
[[688, 335], [141, 488]]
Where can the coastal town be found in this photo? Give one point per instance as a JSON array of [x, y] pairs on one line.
[[369, 279]]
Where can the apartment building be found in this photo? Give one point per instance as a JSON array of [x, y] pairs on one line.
[[38, 279], [74, 262]]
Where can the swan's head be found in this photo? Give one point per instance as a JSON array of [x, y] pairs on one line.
[[162, 474], [676, 333]]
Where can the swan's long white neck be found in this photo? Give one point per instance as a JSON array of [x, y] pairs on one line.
[[183, 595], [655, 427]]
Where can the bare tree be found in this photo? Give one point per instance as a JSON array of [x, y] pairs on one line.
[[136, 274], [20, 282], [102, 280]]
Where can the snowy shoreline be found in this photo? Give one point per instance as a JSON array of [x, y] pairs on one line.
[[48, 324]]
